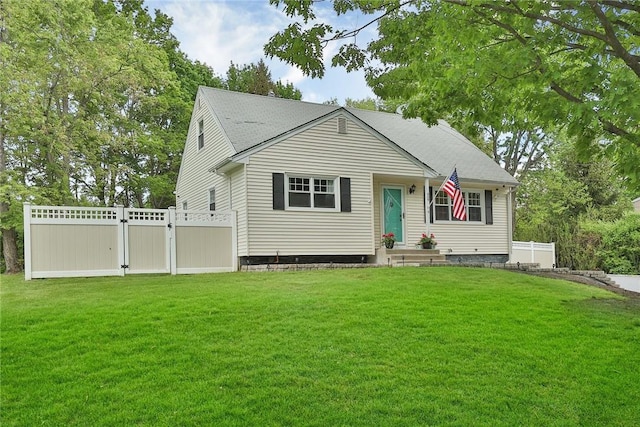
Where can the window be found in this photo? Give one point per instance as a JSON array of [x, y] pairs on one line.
[[201, 134], [212, 199], [184, 208], [474, 207], [442, 207], [307, 192], [472, 203], [323, 194], [299, 192]]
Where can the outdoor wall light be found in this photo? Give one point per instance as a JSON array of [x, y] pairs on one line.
[[412, 189]]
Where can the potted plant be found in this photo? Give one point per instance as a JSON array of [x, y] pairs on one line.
[[427, 242], [389, 240]]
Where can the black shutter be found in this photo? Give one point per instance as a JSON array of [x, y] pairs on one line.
[[488, 206], [345, 194], [278, 191], [431, 205]]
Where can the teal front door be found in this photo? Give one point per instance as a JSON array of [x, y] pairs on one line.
[[392, 212]]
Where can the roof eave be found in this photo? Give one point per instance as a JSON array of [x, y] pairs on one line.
[[225, 166]]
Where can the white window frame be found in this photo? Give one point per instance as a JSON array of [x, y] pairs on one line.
[[312, 191], [200, 134], [465, 194], [212, 200]]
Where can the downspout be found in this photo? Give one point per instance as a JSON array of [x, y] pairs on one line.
[[230, 194]]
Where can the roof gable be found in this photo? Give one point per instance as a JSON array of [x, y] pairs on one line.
[[249, 120]]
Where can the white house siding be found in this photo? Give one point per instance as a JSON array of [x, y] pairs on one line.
[[194, 179], [239, 204], [475, 238], [320, 151]]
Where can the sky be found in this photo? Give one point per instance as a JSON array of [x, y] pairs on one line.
[[217, 32]]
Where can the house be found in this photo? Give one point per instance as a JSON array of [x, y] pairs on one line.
[[321, 183], [636, 204]]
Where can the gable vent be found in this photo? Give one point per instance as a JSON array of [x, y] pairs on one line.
[[342, 125]]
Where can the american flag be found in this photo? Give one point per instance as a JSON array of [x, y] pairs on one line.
[[452, 188]]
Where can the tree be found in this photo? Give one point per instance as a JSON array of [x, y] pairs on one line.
[[567, 64], [256, 79], [556, 202], [363, 104], [77, 78]]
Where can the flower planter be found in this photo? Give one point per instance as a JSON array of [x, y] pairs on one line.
[[427, 242], [388, 240]]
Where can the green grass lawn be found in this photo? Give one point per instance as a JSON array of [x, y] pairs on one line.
[[370, 347]]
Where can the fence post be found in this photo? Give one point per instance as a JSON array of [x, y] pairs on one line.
[[172, 241], [26, 219], [122, 241], [234, 240], [553, 254], [533, 252]]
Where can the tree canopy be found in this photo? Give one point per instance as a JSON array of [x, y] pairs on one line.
[[538, 65], [256, 79]]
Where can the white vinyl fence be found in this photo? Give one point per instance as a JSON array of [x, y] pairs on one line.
[[66, 241], [534, 253]]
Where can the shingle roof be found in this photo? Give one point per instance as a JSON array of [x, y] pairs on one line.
[[440, 147], [249, 120]]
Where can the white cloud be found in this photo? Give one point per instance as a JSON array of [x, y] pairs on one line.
[[218, 32], [293, 75]]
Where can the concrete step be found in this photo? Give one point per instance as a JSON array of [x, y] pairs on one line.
[[406, 257], [407, 251], [412, 257]]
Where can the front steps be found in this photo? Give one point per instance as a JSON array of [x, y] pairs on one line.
[[409, 257]]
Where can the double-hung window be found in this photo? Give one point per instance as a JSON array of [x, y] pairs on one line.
[[212, 199], [200, 134], [474, 206], [472, 203], [311, 192], [442, 204]]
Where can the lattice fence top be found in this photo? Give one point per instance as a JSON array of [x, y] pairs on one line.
[[147, 215], [102, 215], [187, 217], [74, 213]]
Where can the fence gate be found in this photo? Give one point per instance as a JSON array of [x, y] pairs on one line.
[[147, 234], [68, 241]]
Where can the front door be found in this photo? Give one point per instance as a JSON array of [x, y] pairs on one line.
[[392, 212]]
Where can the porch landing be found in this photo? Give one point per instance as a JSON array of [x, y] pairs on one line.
[[409, 257]]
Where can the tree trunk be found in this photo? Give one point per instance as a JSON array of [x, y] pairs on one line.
[[9, 235], [10, 251]]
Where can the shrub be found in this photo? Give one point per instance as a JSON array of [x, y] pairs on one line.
[[620, 249]]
